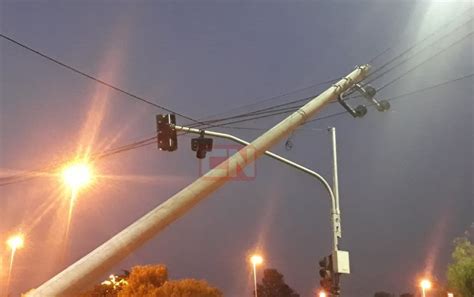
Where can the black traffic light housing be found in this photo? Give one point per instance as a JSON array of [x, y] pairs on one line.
[[325, 272], [357, 112], [329, 279], [201, 145], [167, 137], [369, 93]]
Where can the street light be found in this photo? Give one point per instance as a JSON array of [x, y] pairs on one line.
[[425, 285], [77, 175], [255, 260], [14, 242]]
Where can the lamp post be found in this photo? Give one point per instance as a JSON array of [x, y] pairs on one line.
[[255, 260]]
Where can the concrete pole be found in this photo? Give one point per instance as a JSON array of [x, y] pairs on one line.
[[97, 263]]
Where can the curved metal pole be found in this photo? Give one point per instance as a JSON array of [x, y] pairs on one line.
[[335, 205]]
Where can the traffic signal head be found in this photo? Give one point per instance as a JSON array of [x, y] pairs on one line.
[[357, 112], [325, 271], [201, 146], [167, 137], [369, 93]]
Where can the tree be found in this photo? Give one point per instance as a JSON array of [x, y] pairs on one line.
[[461, 270], [407, 295], [108, 288], [144, 280], [151, 281], [273, 285], [187, 288]]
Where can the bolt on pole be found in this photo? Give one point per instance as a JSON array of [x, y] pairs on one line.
[[97, 263]]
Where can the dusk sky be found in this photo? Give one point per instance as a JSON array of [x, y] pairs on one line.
[[406, 176]]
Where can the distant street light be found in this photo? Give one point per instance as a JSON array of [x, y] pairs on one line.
[[255, 260], [322, 294], [14, 242], [425, 285], [450, 295]]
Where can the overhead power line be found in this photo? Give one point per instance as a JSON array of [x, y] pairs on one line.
[[426, 60], [294, 108], [95, 79], [152, 140], [225, 122], [430, 45], [290, 105], [262, 101], [442, 84], [433, 33], [284, 110]]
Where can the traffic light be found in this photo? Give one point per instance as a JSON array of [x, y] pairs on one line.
[[329, 278], [369, 92], [201, 146], [326, 273], [167, 138]]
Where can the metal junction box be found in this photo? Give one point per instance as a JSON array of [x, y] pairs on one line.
[[340, 262]]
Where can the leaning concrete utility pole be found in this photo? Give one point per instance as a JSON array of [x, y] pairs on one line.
[[97, 263]]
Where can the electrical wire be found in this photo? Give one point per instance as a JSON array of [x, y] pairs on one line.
[[416, 66], [426, 60], [288, 105], [433, 33], [274, 110], [271, 98], [442, 84], [371, 79], [95, 79], [152, 140]]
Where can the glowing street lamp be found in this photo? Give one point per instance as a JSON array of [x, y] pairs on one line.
[[14, 242], [255, 260], [322, 294], [425, 285], [77, 176], [450, 295]]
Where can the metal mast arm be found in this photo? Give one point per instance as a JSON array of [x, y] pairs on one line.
[[334, 203]]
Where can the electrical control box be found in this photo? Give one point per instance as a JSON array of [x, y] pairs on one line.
[[340, 262]]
